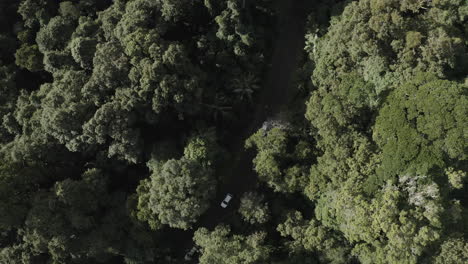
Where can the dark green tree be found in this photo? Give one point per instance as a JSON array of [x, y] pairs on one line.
[[18, 184]]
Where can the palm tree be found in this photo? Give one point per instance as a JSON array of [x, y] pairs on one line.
[[245, 86], [220, 107]]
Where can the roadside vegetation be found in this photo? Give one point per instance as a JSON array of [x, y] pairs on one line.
[[120, 124]]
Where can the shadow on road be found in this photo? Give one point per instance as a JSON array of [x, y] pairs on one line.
[[277, 91]]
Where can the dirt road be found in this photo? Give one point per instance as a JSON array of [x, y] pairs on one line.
[[277, 92]]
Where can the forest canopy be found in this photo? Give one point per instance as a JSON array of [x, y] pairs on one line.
[[231, 131]]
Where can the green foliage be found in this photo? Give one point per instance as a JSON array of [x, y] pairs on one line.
[[35, 12], [381, 125], [17, 254], [174, 10], [70, 209], [180, 192], [109, 85], [456, 179], [311, 236], [114, 122], [7, 100], [55, 35], [63, 108], [454, 250], [29, 57], [18, 183], [231, 29], [144, 212], [220, 246], [252, 208], [82, 50], [245, 86], [337, 114], [55, 61], [69, 9], [277, 148], [203, 148], [31, 142], [114, 117], [423, 122], [80, 221], [387, 47]]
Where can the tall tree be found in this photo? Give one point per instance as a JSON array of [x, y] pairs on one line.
[[220, 246], [422, 126]]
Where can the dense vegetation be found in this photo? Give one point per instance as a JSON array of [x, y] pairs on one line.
[[121, 123]]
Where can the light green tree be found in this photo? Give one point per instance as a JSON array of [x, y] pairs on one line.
[[452, 251], [220, 246], [274, 156], [253, 209], [422, 122], [55, 35], [29, 57], [180, 192], [311, 236]]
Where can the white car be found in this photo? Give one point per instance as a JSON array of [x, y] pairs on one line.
[[226, 200]]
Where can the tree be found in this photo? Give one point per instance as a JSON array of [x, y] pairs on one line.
[[29, 57], [203, 147], [143, 210], [82, 50], [422, 122], [8, 99], [175, 10], [36, 13], [276, 150], [220, 246], [82, 221], [313, 237], [457, 178], [376, 39], [31, 142], [180, 192], [18, 254], [64, 110], [110, 71], [252, 208], [18, 183], [407, 218], [69, 10], [453, 250], [55, 35], [63, 221], [232, 29], [245, 86], [103, 86], [114, 122]]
